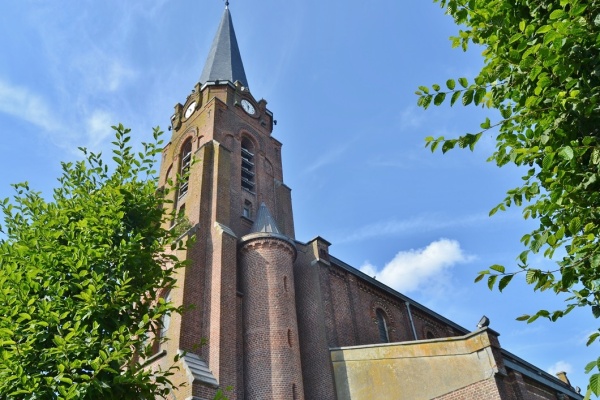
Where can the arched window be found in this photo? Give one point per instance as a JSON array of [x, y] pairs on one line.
[[382, 325], [165, 322], [184, 168], [247, 165]]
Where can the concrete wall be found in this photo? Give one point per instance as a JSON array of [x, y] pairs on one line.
[[417, 370]]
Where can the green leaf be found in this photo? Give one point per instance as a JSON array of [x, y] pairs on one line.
[[504, 281], [448, 145], [591, 340], [439, 98], [547, 161], [531, 276], [578, 9], [575, 225], [467, 97], [558, 14], [463, 82], [523, 317], [479, 95], [491, 281], [594, 384], [455, 96], [498, 268], [566, 153], [451, 84], [595, 157]]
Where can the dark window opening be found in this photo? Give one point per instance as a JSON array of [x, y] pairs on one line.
[[382, 325], [430, 335], [247, 210], [247, 165], [184, 169]]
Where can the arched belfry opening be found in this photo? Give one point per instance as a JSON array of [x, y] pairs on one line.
[[248, 167], [184, 166]]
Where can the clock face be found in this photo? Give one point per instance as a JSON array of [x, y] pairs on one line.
[[248, 107], [190, 110]]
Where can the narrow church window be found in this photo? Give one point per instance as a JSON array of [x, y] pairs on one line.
[[430, 335], [247, 165], [247, 211], [184, 170], [165, 322], [294, 394], [382, 325]]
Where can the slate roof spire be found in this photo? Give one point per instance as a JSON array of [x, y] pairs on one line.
[[264, 222], [224, 61]]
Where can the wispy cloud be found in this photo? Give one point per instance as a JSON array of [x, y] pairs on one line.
[[99, 127], [411, 117], [101, 72], [423, 223], [22, 103], [63, 130], [417, 269], [328, 157], [560, 366]]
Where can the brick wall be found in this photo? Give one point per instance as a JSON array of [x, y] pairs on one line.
[[272, 368], [351, 303], [482, 390], [316, 362]]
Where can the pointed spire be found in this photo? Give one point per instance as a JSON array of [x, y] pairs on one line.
[[264, 222], [224, 61]]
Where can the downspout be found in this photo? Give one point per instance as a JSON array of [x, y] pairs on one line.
[[412, 323]]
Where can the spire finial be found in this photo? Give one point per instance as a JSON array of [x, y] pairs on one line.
[[226, 3]]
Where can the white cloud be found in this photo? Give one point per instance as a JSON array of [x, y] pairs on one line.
[[423, 223], [416, 269], [411, 117], [326, 158], [116, 74], [560, 366], [20, 102], [98, 128]]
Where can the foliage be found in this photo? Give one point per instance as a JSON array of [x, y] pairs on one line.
[[542, 73], [78, 279]]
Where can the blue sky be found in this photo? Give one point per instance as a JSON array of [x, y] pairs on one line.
[[340, 79]]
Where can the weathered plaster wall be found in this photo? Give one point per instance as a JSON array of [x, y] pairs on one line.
[[415, 370]]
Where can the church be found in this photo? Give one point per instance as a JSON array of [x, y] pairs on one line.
[[271, 317]]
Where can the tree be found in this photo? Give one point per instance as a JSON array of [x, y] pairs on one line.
[[542, 73], [79, 279]]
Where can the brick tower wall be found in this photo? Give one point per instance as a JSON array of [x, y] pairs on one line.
[[272, 368], [316, 361]]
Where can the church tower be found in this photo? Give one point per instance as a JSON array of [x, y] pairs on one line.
[[239, 328]]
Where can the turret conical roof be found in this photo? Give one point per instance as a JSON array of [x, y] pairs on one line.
[[264, 222], [224, 61]]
